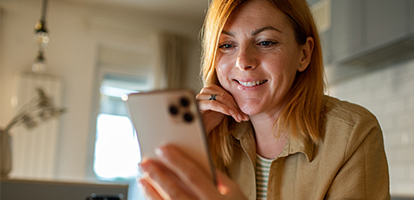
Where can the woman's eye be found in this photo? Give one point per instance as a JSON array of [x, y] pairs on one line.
[[226, 46], [267, 43]]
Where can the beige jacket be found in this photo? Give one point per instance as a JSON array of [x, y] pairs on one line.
[[350, 163]]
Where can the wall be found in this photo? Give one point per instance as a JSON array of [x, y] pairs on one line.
[[388, 92], [76, 31]]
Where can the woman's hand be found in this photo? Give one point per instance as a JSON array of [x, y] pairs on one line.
[[213, 111], [175, 176]]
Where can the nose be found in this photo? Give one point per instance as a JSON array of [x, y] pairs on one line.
[[246, 58]]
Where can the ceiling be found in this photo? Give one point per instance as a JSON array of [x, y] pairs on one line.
[[190, 9]]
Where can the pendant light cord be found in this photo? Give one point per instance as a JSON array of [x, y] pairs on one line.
[[43, 17]]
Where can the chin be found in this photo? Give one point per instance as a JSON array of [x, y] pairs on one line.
[[249, 106], [248, 110]]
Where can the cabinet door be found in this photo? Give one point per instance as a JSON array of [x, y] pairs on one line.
[[326, 44], [347, 28], [386, 21], [411, 20]]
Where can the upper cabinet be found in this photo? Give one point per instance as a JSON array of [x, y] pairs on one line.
[[411, 20], [347, 28], [368, 31], [386, 21]]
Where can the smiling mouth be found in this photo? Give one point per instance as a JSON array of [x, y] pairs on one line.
[[252, 83]]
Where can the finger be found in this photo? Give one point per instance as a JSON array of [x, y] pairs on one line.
[[222, 96], [228, 187], [218, 107], [207, 92], [165, 183], [148, 190], [192, 174], [209, 96], [228, 99], [223, 183], [210, 88]]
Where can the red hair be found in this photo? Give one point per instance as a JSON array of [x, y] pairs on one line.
[[302, 115]]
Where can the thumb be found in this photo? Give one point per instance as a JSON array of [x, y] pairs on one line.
[[224, 184]]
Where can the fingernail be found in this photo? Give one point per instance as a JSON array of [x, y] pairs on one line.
[[240, 117], [158, 152], [141, 168], [139, 183]]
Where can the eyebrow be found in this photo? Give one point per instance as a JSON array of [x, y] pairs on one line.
[[255, 32]]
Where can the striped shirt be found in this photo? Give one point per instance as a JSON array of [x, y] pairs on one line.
[[262, 176]]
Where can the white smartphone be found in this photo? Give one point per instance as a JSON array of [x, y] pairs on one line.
[[170, 116]]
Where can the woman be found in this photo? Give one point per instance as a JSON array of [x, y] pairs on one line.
[[272, 132]]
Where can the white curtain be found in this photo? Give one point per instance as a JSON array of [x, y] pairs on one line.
[[173, 65]]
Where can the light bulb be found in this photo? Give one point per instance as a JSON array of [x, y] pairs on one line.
[[39, 67], [42, 38]]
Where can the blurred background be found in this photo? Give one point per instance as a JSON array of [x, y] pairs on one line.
[[95, 51]]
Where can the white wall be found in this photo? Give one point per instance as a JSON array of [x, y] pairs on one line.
[[388, 92], [76, 31]]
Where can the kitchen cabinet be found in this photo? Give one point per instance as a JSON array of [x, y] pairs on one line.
[[369, 31], [386, 21], [411, 20], [347, 28]]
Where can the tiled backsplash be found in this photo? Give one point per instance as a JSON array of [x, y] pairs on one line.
[[389, 93]]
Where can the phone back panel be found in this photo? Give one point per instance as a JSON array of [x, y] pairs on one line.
[[169, 116]]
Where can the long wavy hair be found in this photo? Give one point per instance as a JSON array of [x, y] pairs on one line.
[[302, 116]]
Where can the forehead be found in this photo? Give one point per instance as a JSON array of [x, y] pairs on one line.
[[257, 13]]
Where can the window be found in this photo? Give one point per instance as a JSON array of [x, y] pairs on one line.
[[116, 146], [116, 153]]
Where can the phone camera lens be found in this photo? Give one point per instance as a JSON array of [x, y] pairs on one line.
[[188, 117], [184, 101], [173, 110]]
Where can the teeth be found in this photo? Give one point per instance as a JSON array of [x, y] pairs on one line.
[[252, 83]]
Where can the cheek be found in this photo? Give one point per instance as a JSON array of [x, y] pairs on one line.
[[223, 70], [222, 77], [284, 65]]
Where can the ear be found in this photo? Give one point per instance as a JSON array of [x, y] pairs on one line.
[[306, 51]]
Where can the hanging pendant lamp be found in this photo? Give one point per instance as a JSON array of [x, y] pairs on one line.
[[42, 39]]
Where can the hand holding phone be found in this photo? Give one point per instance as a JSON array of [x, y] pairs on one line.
[[169, 117]]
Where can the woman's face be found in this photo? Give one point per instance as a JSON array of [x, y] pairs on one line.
[[258, 57]]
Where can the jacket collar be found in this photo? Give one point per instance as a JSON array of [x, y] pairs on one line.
[[300, 144], [242, 129]]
